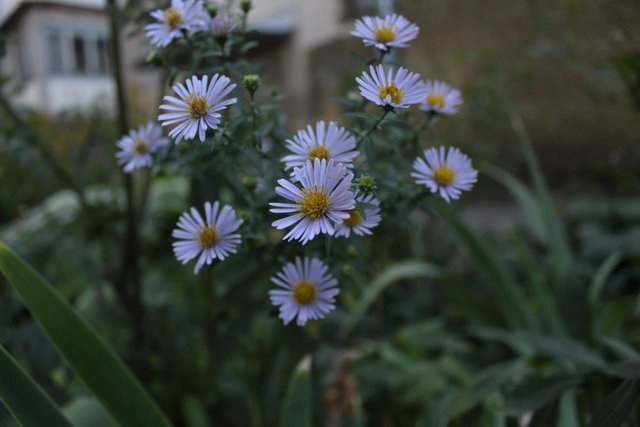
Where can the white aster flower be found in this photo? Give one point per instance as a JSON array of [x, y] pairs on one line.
[[321, 202], [392, 89], [182, 15], [212, 237], [332, 142], [198, 106], [308, 291], [445, 172], [357, 222], [136, 147], [385, 33], [441, 98]]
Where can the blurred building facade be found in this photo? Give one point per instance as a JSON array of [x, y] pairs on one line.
[[58, 50]]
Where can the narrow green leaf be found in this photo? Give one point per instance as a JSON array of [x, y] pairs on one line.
[[616, 407], [27, 402], [509, 296], [402, 270], [601, 276], [621, 348], [526, 199], [296, 410], [487, 382], [568, 411], [564, 349], [538, 392], [94, 363], [563, 259], [85, 411]]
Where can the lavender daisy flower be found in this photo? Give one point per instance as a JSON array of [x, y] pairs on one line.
[[441, 98], [323, 199], [198, 106], [182, 15], [445, 172], [136, 147], [385, 33], [308, 291], [358, 223], [330, 142], [392, 89], [210, 238], [221, 25]]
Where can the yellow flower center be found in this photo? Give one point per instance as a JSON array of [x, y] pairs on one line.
[[443, 176], [208, 236], [172, 18], [197, 105], [435, 100], [140, 146], [354, 219], [319, 152], [314, 204], [385, 34], [304, 292], [393, 91]]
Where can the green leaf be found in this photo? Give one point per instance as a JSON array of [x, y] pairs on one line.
[[558, 243], [538, 392], [600, 278], [510, 298], [400, 271], [526, 199], [617, 406], [85, 411], [95, 364], [568, 412], [296, 410], [564, 349], [27, 402], [487, 382]]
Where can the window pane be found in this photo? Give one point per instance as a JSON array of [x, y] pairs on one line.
[[54, 45], [79, 54], [103, 56]]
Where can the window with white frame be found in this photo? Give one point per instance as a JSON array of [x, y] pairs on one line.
[[77, 52]]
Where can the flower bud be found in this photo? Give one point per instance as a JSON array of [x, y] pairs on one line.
[[249, 182], [212, 10], [251, 82], [245, 6], [366, 184]]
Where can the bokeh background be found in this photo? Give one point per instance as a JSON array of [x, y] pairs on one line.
[[569, 70]]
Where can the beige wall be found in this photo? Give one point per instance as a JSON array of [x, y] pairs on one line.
[[315, 24]]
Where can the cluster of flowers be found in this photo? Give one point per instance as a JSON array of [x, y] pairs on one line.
[[185, 17], [319, 195]]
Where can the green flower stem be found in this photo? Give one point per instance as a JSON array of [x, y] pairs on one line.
[[373, 127], [127, 286]]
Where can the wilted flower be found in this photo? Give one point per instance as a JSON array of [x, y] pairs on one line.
[[326, 142], [136, 147], [357, 222], [441, 98], [182, 15], [445, 172], [198, 106], [385, 33], [321, 202], [212, 237], [308, 291], [392, 89]]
